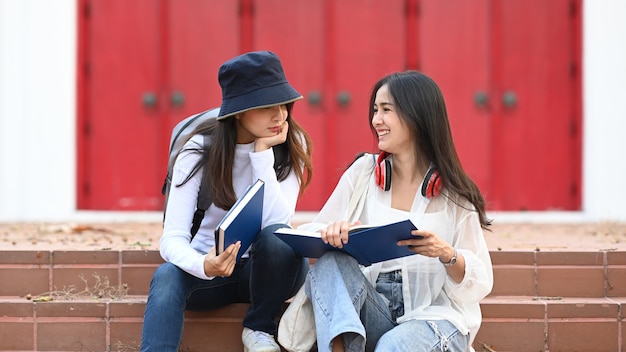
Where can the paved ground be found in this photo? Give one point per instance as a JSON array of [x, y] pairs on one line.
[[145, 235]]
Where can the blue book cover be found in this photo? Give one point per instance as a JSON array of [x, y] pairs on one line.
[[367, 244], [243, 220]]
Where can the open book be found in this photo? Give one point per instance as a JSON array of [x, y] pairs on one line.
[[367, 244], [243, 220]]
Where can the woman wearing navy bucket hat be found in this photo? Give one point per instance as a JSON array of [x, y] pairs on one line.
[[254, 137]]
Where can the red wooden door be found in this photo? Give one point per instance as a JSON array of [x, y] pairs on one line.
[[148, 64], [536, 93], [333, 52], [121, 105], [367, 43], [299, 40], [509, 71], [453, 49], [200, 36]]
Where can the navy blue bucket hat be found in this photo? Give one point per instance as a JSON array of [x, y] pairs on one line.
[[251, 81]]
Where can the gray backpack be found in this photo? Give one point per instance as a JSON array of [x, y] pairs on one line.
[[179, 135]]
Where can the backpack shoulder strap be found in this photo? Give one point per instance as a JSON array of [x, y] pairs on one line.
[[204, 198]]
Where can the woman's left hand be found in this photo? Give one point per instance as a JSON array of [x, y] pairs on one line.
[[280, 137], [428, 244]]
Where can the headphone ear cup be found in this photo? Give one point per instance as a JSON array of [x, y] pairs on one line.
[[386, 179], [431, 187], [383, 172]]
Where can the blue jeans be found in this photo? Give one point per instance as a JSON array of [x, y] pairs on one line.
[[271, 275], [345, 303]]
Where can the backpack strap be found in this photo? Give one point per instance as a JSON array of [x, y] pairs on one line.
[[204, 198]]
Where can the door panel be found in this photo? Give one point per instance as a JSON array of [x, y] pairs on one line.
[[152, 63], [365, 48], [298, 39], [333, 63], [196, 47], [454, 51], [537, 141], [123, 109], [507, 70]]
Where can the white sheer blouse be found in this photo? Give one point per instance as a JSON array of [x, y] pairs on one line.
[[429, 294]]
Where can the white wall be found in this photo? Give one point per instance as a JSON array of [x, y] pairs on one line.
[[38, 117], [37, 109], [604, 92]]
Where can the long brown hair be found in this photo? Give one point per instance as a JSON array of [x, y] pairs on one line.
[[218, 158], [420, 104]]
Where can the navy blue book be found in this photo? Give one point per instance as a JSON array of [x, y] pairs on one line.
[[243, 220], [367, 244]]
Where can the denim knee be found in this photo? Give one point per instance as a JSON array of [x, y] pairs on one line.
[[422, 335], [334, 259], [167, 283], [166, 272], [267, 243]]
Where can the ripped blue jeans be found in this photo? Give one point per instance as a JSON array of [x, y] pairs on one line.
[[345, 303]]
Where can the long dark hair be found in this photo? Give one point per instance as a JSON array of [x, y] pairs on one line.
[[419, 102], [218, 158]]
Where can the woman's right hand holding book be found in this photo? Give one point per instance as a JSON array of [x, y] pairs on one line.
[[336, 234], [223, 264]]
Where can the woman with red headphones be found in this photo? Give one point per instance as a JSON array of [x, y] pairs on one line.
[[427, 301]]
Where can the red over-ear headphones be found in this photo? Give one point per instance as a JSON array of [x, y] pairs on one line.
[[383, 171], [431, 186]]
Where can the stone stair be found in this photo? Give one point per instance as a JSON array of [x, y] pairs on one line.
[[541, 301]]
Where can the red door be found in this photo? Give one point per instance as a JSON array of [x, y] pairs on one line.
[[536, 92], [200, 37], [453, 44], [367, 43], [299, 40], [333, 52], [509, 71], [121, 105], [147, 64]]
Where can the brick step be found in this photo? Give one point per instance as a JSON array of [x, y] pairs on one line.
[[510, 323], [527, 323], [87, 324], [523, 273], [559, 273], [556, 301]]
